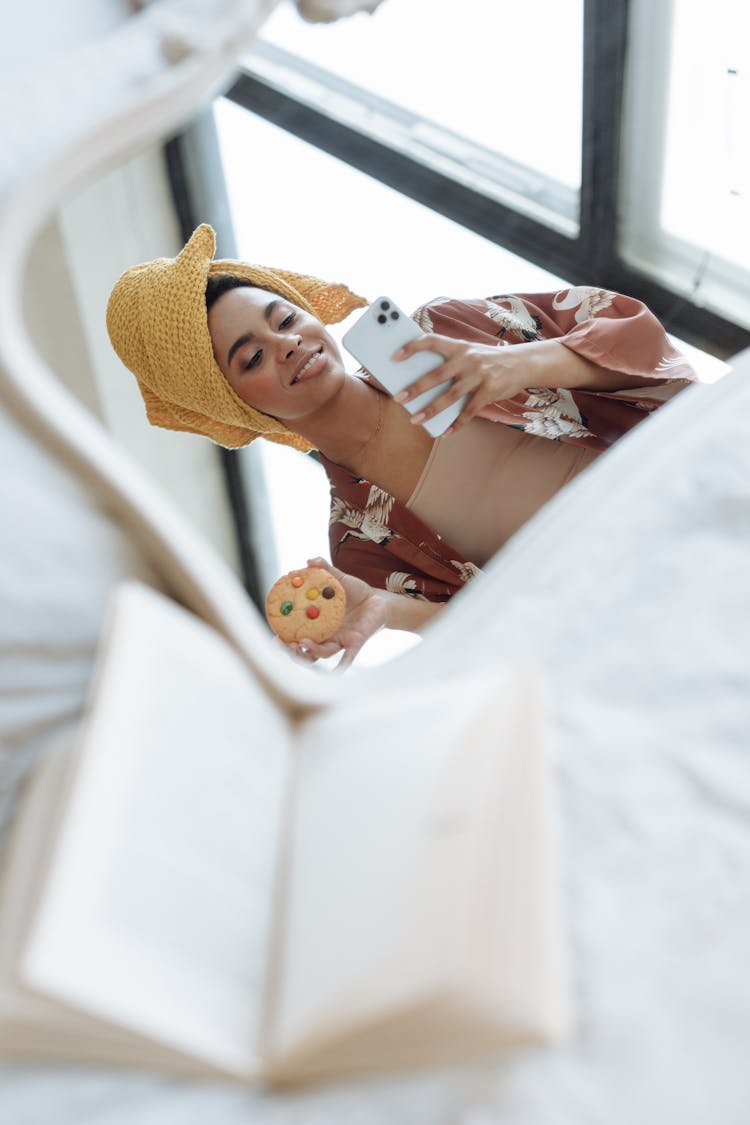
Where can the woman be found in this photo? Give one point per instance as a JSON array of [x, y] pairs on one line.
[[235, 352]]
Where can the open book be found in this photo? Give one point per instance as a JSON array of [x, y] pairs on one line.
[[208, 885]]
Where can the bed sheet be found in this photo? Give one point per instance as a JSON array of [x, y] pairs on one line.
[[630, 590]]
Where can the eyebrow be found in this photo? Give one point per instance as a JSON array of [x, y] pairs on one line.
[[247, 337]]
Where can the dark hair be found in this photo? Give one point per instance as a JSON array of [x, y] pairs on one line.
[[220, 284]]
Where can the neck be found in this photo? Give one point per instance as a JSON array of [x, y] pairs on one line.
[[350, 426], [366, 432]]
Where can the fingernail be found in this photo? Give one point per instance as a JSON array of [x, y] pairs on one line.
[[417, 418], [399, 354], [402, 396], [448, 431]]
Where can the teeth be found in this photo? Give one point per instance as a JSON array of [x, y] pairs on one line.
[[309, 363]]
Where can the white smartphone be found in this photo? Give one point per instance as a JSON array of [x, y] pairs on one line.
[[382, 329]]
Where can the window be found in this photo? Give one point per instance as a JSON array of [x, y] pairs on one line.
[[687, 166], [508, 119], [293, 205], [469, 96]]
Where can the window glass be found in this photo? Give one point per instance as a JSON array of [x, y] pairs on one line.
[[687, 158], [706, 193], [507, 76], [295, 206]]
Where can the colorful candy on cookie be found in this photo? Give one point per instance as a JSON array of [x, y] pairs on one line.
[[308, 602]]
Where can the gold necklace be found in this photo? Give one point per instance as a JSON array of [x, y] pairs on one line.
[[375, 432]]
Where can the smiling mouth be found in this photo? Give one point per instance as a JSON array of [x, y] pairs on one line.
[[306, 366]]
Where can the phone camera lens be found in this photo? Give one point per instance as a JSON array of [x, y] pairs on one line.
[[394, 316], [382, 319], [384, 306]]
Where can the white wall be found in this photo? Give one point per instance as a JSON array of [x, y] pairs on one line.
[[125, 217]]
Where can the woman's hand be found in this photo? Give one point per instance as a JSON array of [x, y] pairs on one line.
[[484, 372], [489, 373], [366, 611]]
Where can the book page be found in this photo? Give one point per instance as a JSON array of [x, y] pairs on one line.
[[157, 908], [422, 919], [26, 1018]]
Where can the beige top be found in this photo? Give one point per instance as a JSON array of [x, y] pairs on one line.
[[507, 473]]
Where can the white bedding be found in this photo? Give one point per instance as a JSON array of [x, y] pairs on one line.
[[631, 591]]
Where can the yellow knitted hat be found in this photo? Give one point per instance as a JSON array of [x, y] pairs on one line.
[[158, 325]]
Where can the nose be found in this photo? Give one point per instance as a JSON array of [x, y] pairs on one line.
[[289, 346]]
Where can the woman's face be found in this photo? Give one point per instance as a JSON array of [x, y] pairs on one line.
[[275, 356]]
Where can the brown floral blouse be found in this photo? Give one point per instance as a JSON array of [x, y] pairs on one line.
[[378, 539]]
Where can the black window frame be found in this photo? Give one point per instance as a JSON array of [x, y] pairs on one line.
[[590, 258]]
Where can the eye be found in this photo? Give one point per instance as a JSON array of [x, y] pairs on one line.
[[288, 320], [254, 360]]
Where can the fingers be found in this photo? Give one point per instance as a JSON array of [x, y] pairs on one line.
[[440, 347], [454, 367], [474, 372], [311, 652], [453, 393], [435, 378], [314, 650], [348, 658], [446, 374], [430, 342], [469, 411], [324, 563], [451, 385]]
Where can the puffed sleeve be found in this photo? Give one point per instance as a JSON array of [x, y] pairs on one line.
[[616, 332]]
